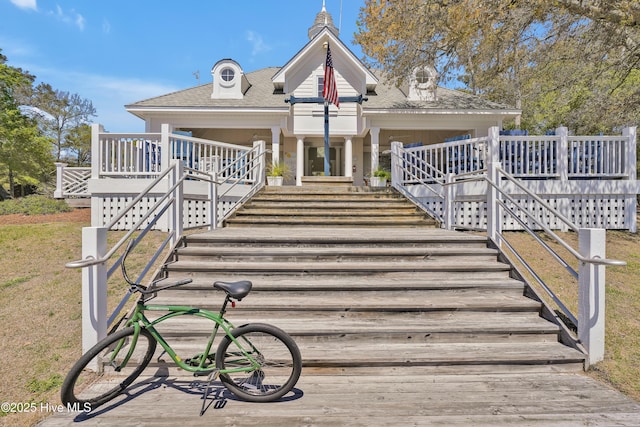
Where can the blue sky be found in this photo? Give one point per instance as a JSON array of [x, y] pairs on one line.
[[118, 52]]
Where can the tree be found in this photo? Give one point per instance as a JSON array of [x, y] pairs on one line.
[[520, 53], [78, 142], [59, 113], [25, 155]]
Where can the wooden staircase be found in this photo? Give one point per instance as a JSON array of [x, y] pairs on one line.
[[396, 325], [364, 292], [329, 206]]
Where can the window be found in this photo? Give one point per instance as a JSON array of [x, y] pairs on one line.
[[320, 86], [227, 74], [422, 76]]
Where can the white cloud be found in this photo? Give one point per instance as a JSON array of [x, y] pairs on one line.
[[72, 17], [25, 4], [106, 26], [259, 46]]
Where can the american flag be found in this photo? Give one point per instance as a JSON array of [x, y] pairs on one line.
[[329, 90]]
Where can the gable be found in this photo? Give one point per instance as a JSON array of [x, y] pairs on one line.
[[313, 55]]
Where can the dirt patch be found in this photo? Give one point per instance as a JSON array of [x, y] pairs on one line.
[[75, 216]]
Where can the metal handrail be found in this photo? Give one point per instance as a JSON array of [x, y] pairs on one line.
[[576, 254], [93, 261]]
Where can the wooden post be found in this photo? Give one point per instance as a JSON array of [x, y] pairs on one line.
[[449, 201], [94, 287], [59, 191], [397, 165], [562, 154], [165, 147], [591, 293], [176, 212], [631, 213], [494, 212]]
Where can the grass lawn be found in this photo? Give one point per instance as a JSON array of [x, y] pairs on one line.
[[40, 308]]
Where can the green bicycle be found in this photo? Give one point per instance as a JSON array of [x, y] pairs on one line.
[[256, 362]]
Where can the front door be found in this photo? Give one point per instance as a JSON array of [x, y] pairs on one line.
[[314, 161]]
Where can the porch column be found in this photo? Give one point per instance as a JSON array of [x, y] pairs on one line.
[[348, 156], [375, 148], [275, 144], [299, 160]]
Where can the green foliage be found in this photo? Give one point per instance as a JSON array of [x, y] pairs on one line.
[[381, 173], [33, 205], [59, 115], [562, 63], [278, 169], [42, 386]]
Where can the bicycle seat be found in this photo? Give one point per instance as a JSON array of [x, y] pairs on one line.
[[236, 290]]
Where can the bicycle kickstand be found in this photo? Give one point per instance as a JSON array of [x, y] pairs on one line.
[[211, 378]]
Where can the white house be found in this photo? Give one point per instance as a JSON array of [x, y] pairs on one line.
[[433, 139], [239, 108]]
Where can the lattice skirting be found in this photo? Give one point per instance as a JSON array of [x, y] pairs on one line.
[[592, 211], [195, 211]]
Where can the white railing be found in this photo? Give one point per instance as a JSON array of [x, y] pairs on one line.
[[528, 157], [169, 205], [533, 157], [71, 182]]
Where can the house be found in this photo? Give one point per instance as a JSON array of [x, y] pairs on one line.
[[240, 107], [238, 122]]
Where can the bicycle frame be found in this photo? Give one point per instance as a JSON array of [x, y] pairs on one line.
[[138, 320]]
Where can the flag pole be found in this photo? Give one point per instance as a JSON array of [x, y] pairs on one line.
[[327, 156]]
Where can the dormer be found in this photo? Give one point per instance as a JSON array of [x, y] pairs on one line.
[[229, 81], [423, 84]]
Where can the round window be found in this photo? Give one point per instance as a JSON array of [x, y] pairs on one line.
[[227, 74]]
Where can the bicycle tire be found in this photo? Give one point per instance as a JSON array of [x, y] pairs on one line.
[[92, 382], [278, 354]]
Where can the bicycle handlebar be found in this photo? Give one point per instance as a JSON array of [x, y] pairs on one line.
[[152, 290]]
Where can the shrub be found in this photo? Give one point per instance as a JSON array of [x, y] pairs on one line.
[[33, 205]]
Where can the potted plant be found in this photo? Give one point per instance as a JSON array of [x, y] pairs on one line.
[[276, 173], [380, 178]]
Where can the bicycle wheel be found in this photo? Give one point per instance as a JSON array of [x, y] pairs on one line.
[[276, 353], [108, 368]]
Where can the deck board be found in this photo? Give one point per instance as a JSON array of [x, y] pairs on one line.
[[396, 398]]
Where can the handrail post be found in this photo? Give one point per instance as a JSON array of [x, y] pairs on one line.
[[260, 149], [396, 164], [176, 213], [631, 213], [97, 159], [449, 201], [563, 153], [59, 191], [494, 212], [94, 287], [213, 198], [165, 147], [591, 293], [630, 133]]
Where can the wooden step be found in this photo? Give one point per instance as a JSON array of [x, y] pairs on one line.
[[252, 267], [218, 253]]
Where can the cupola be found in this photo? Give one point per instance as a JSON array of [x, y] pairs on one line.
[[323, 19]]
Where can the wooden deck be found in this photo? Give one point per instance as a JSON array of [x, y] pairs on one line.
[[380, 397], [410, 326]]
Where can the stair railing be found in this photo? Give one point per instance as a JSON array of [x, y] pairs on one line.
[[590, 255], [170, 205]]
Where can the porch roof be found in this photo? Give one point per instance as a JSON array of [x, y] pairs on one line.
[[262, 95]]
